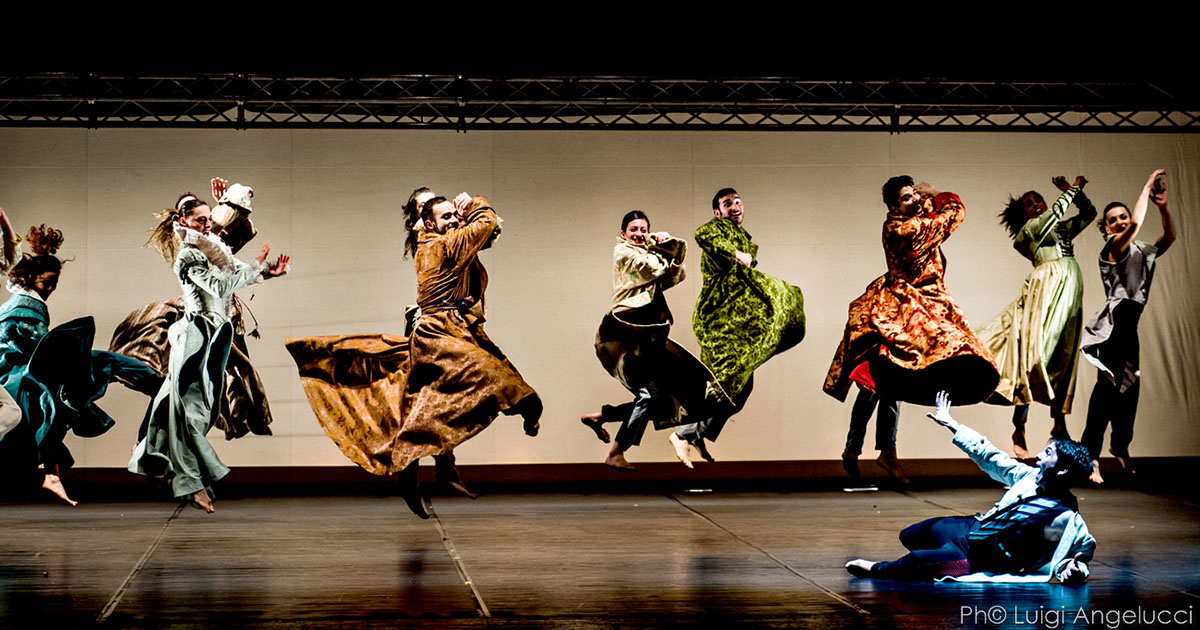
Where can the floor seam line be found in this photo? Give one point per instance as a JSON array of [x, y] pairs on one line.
[[458, 563], [785, 566], [115, 600]]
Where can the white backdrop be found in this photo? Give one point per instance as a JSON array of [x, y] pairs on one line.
[[331, 198]]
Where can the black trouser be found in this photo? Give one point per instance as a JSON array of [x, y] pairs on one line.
[[1109, 404], [937, 547], [885, 422]]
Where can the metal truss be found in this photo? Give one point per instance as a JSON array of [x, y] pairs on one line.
[[246, 101]]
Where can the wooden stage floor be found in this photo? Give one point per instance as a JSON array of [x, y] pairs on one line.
[[737, 559]]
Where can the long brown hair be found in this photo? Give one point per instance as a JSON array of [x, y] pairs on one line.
[[44, 242], [162, 237], [412, 216]]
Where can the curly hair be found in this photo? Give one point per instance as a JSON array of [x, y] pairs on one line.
[[162, 237], [1075, 458], [412, 216], [892, 187], [44, 241], [1013, 216]]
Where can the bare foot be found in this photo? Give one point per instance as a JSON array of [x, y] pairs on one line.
[[616, 459], [203, 501], [860, 567], [890, 464], [1124, 460], [593, 422], [1019, 449], [1095, 476], [681, 449], [461, 488], [54, 484]]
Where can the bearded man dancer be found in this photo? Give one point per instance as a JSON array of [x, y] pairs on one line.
[[743, 317], [387, 401]]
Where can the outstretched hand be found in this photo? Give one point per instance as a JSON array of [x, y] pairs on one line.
[[941, 414], [280, 266], [1060, 182], [261, 258]]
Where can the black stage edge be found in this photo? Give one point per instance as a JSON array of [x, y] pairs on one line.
[[1155, 475]]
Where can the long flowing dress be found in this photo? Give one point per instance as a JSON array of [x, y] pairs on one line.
[[55, 378], [632, 343], [743, 316], [186, 407], [905, 337], [1035, 339], [387, 400], [244, 408]]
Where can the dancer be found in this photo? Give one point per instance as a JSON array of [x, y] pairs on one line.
[[885, 434], [53, 375], [1110, 340], [905, 337], [1035, 339], [143, 334], [387, 401], [1035, 531], [10, 254], [444, 469], [175, 445], [632, 343], [743, 317]]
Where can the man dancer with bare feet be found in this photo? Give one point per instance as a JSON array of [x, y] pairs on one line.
[[743, 317]]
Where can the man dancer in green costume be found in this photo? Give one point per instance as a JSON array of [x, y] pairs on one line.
[[743, 317]]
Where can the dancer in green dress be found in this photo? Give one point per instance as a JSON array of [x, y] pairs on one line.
[[743, 317], [1035, 340]]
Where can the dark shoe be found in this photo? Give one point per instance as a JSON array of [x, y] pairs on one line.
[[444, 471], [410, 490], [704, 451], [530, 409], [850, 465], [890, 464]]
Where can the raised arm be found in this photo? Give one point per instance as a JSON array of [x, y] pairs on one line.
[[464, 243], [1158, 195], [916, 237], [991, 460], [1137, 214], [1037, 229], [1087, 212]]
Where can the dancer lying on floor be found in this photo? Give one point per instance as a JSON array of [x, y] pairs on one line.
[[1034, 533]]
